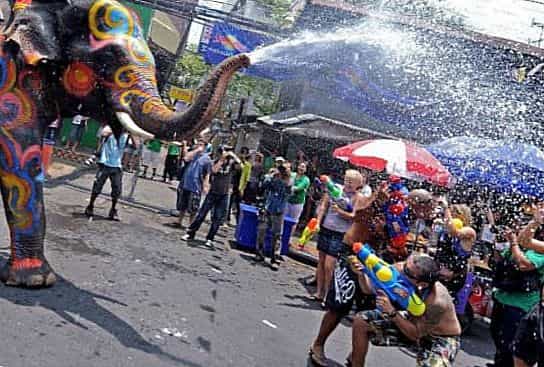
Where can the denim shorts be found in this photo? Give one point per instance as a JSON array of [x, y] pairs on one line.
[[330, 242]]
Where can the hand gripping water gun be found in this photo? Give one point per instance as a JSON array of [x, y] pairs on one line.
[[396, 212], [335, 193], [309, 231], [388, 279]]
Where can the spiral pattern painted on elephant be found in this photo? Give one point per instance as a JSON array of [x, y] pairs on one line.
[[79, 79], [111, 23], [110, 19], [16, 108], [20, 169]]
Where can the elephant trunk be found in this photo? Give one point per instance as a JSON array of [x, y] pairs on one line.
[[147, 116]]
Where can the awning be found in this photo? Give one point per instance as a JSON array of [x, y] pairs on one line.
[[318, 127]]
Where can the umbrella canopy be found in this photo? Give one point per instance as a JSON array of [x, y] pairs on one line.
[[396, 157], [506, 166]]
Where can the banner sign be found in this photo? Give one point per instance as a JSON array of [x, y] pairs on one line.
[[224, 40], [180, 94]]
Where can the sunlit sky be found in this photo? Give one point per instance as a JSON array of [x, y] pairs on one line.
[[510, 19]]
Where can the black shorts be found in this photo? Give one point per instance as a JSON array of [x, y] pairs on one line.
[[114, 174], [330, 242], [345, 290], [188, 201]]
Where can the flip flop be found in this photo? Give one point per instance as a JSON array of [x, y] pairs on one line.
[[318, 360], [315, 298]]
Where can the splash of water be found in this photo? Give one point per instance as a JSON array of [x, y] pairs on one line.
[[441, 86]]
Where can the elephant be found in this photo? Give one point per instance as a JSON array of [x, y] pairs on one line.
[[65, 57]]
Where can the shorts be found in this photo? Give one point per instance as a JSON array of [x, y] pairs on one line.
[[188, 201], [150, 158], [432, 351], [294, 211], [345, 290], [330, 242], [76, 133], [115, 176]]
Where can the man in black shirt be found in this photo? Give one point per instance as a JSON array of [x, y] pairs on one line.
[[217, 199]]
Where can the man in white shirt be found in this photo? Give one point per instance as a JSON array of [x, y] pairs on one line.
[[79, 123]]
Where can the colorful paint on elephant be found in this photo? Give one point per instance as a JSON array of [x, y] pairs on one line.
[[20, 167], [79, 79], [111, 22]]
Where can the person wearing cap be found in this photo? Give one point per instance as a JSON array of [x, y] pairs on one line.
[[217, 198], [109, 167], [276, 187]]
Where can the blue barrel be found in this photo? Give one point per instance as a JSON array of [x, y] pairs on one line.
[[246, 231]]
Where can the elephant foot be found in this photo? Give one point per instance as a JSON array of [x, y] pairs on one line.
[[28, 273]]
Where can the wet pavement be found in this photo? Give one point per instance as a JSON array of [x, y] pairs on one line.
[[133, 294]]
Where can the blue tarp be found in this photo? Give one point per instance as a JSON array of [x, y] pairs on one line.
[[432, 84], [508, 166]]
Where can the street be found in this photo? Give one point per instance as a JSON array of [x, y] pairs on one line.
[[133, 294]]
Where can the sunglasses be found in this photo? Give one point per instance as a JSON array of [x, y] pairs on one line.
[[409, 273]]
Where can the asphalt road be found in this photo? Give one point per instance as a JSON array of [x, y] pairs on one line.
[[121, 285]]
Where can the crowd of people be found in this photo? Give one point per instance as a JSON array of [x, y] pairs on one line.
[[216, 180]]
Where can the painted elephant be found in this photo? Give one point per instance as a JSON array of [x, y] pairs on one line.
[[59, 58]]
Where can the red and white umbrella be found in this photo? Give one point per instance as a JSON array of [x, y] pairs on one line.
[[396, 157]]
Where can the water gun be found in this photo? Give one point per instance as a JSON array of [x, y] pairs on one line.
[[388, 279], [335, 193], [396, 212], [309, 231]]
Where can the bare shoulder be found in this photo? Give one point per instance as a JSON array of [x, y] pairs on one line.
[[438, 306]]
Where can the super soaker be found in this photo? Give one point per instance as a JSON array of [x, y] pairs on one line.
[[309, 231], [388, 279], [335, 193]]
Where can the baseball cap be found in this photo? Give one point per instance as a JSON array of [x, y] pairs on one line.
[[280, 159]]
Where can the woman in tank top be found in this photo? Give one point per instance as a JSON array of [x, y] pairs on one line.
[[335, 218]]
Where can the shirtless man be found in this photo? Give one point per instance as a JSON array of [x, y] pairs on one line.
[[436, 333], [345, 287]]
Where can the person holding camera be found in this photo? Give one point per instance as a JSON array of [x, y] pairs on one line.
[[277, 188], [519, 272], [217, 199]]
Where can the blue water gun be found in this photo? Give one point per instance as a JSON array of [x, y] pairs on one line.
[[388, 279]]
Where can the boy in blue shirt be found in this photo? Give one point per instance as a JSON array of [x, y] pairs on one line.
[[109, 167]]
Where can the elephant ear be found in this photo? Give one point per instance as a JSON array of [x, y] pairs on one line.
[[33, 32]]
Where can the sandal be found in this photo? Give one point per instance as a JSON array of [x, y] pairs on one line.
[[315, 298], [317, 359]]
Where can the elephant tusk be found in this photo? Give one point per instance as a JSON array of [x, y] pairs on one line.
[[129, 124]]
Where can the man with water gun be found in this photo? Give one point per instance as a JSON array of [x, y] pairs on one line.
[[345, 289], [432, 327]]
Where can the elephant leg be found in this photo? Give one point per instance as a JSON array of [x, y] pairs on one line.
[[21, 185]]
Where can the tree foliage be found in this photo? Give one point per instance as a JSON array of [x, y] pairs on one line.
[[191, 71], [277, 9]]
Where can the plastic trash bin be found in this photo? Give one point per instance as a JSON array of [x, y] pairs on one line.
[[246, 231]]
